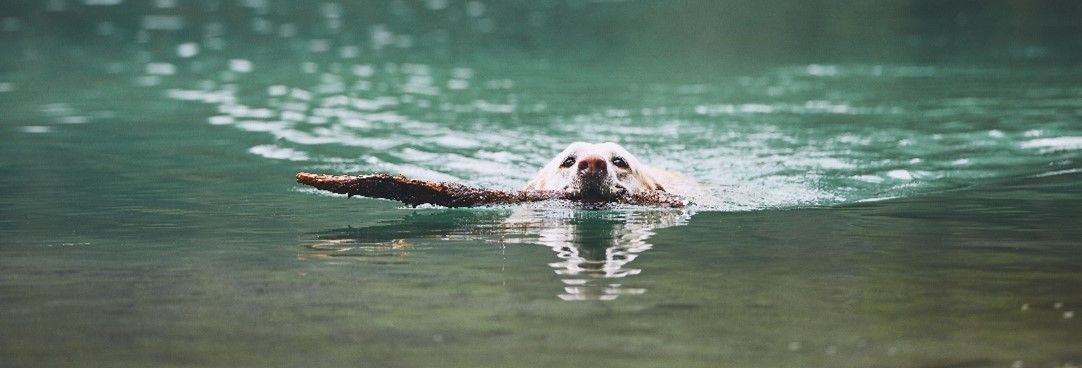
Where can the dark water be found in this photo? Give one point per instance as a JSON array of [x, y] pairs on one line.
[[896, 190]]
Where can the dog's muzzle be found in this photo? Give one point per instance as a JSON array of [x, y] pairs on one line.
[[598, 188]]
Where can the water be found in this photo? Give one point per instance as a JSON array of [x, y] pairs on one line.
[[910, 203]]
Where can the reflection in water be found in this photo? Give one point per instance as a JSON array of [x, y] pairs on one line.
[[594, 248], [394, 238]]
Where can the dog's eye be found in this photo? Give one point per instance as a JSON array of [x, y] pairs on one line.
[[619, 162], [568, 162]]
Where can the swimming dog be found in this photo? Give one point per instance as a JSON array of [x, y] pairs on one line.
[[603, 172]]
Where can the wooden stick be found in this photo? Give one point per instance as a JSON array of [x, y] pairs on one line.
[[417, 192]]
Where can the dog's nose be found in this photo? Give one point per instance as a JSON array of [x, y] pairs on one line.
[[590, 166]]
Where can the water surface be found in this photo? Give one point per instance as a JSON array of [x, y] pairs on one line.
[[891, 206]]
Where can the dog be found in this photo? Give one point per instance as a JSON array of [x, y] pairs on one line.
[[603, 172], [595, 249]]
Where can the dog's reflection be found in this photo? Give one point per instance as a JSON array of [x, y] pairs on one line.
[[595, 249]]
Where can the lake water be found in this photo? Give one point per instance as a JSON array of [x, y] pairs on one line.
[[913, 202]]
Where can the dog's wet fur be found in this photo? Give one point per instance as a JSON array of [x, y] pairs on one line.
[[602, 172]]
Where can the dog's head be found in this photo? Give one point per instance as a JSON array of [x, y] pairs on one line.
[[596, 172]]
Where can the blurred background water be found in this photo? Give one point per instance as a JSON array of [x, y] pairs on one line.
[[893, 183]]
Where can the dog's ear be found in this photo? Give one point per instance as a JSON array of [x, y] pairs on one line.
[[537, 183], [540, 179], [646, 179]]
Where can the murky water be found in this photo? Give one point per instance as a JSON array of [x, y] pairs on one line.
[[890, 211]]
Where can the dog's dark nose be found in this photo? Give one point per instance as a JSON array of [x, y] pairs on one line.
[[591, 166]]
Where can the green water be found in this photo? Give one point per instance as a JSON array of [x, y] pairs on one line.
[[902, 190]]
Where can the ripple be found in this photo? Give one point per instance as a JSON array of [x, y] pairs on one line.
[[904, 175], [1058, 144], [162, 22], [35, 129], [240, 65], [279, 153]]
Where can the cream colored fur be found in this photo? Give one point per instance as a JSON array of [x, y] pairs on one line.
[[636, 177]]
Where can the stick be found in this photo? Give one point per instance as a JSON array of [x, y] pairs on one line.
[[417, 192]]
